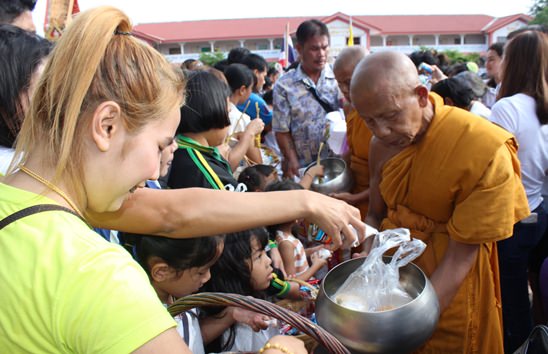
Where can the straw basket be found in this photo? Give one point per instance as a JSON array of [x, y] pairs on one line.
[[303, 324]]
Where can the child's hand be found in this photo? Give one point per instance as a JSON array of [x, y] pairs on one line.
[[255, 127], [254, 320], [317, 260], [316, 170]]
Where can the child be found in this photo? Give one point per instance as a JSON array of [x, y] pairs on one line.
[[179, 267], [244, 268], [204, 125], [242, 130], [257, 177], [291, 249]]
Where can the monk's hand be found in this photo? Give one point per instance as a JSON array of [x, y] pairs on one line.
[[338, 219], [345, 196]]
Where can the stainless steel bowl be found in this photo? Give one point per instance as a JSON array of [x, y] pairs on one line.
[[337, 177], [400, 330]]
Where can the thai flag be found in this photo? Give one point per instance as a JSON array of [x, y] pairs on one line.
[[287, 53]]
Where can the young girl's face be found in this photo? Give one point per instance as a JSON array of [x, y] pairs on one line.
[[273, 177], [246, 92], [190, 280], [167, 157], [261, 271]]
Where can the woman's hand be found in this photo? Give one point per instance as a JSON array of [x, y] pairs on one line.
[[335, 217], [289, 343]]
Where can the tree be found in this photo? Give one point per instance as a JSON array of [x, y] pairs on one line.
[[211, 59], [540, 12]]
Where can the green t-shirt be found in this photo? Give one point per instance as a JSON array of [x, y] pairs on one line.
[[64, 289]]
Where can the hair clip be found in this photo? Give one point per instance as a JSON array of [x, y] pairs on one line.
[[122, 33]]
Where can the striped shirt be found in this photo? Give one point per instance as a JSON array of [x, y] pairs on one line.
[[301, 263]]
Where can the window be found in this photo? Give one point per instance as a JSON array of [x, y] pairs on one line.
[[357, 40], [174, 51], [205, 49]]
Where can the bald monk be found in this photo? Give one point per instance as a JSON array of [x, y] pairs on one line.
[[454, 181], [358, 135]]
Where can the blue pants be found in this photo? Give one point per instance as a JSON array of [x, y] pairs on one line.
[[514, 257]]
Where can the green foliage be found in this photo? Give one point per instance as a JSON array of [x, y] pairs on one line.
[[211, 58], [457, 57], [540, 12]]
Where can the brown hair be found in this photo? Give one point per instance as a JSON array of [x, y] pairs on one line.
[[96, 60], [525, 70]]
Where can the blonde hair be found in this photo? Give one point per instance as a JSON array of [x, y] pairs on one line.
[[96, 60]]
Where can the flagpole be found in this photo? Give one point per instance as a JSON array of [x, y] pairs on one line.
[[286, 45]]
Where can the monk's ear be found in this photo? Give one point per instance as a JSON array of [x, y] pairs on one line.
[[105, 123], [422, 94]]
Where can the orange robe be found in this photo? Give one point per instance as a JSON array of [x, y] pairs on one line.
[[460, 181], [358, 137]]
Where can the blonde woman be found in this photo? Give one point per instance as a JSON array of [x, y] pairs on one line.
[[105, 108]]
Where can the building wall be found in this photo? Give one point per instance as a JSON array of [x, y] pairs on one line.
[[501, 34]]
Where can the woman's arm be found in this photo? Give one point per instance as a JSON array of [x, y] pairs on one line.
[[193, 212]]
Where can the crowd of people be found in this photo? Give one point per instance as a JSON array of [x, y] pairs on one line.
[[129, 182]]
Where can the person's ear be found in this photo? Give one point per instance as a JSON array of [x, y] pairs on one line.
[[242, 90], [422, 95], [105, 123], [299, 48], [448, 101], [161, 271]]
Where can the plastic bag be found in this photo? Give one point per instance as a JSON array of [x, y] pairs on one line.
[[536, 343], [375, 285]]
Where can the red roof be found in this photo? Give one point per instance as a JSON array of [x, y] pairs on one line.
[[503, 21], [428, 24], [196, 31], [235, 29]]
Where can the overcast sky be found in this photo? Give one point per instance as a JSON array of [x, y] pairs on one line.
[[184, 10]]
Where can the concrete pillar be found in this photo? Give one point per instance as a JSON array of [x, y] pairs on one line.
[[384, 40], [410, 40], [363, 41], [182, 45], [461, 39], [212, 46], [271, 41], [242, 43], [437, 39]]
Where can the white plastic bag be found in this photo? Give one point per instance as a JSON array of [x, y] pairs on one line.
[[375, 285]]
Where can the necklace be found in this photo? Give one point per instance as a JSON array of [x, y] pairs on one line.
[[53, 187]]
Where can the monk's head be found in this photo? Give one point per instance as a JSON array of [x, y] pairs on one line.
[[386, 91], [344, 66]]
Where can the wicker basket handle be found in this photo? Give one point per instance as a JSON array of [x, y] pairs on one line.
[[302, 323]]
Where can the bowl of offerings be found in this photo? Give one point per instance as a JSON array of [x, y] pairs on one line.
[[400, 328], [337, 177]]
